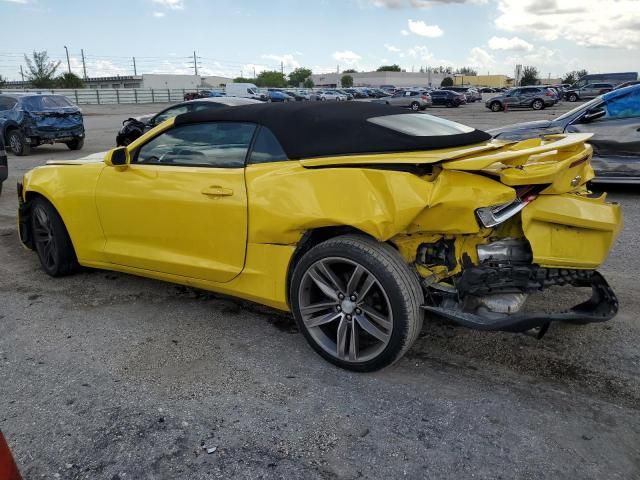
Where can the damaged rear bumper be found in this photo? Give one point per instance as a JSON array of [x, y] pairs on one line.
[[602, 306]]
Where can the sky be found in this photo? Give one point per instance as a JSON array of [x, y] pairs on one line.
[[237, 37]]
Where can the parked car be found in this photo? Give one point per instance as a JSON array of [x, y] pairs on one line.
[[345, 93], [278, 96], [466, 242], [446, 98], [471, 94], [133, 128], [590, 90], [356, 93], [487, 90], [325, 95], [410, 99], [4, 164], [245, 90], [522, 97], [202, 94], [627, 84], [28, 120], [297, 95], [614, 121]]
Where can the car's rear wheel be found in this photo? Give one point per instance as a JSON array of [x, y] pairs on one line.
[[75, 144], [415, 106], [495, 106], [17, 142], [573, 97], [357, 302], [537, 104], [51, 240]]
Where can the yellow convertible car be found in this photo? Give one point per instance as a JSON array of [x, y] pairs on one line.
[[359, 218]]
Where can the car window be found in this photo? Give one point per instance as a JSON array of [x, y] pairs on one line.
[[420, 125], [199, 107], [213, 144], [45, 102], [7, 103], [625, 106], [266, 148], [170, 113]]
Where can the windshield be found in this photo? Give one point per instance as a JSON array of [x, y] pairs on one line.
[[420, 125], [584, 106], [46, 102]]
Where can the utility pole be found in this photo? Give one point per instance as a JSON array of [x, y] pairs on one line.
[[84, 65], [21, 73], [338, 68], [135, 71], [282, 67], [68, 62], [195, 63], [254, 72]]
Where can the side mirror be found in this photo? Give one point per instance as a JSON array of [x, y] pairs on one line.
[[117, 157], [592, 115]]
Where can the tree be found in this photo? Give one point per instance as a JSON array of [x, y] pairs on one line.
[[349, 70], [573, 77], [389, 68], [2, 81], [298, 76], [346, 81], [41, 71], [244, 80], [271, 79], [447, 82], [529, 76], [308, 83], [468, 71], [69, 80]]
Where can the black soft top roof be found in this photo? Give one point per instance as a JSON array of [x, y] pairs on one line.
[[320, 129]]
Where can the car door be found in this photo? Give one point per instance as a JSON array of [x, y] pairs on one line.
[[512, 98], [180, 206], [616, 139]]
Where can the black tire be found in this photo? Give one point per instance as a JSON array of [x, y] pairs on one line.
[[17, 142], [415, 106], [573, 97], [397, 283], [495, 106], [51, 240], [537, 104], [75, 144]]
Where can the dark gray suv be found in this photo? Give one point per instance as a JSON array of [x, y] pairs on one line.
[[522, 97], [591, 90]]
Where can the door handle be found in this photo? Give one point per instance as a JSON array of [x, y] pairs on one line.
[[217, 191]]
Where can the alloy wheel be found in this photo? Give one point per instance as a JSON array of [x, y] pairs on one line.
[[345, 309], [14, 143], [44, 238]]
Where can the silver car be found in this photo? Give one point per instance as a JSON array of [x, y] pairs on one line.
[[413, 99]]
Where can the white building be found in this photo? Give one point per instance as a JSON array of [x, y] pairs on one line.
[[376, 79]]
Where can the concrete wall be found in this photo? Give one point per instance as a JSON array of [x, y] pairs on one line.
[[215, 81], [495, 81]]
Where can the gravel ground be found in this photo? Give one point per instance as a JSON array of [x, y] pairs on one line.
[[105, 375]]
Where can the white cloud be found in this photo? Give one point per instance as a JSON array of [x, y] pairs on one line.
[[513, 43], [347, 56], [287, 60], [418, 27], [419, 3], [481, 59], [404, 32], [391, 48], [171, 4], [159, 14], [420, 52], [21, 2], [589, 23]]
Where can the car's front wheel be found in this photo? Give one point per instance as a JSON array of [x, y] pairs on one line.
[[415, 106], [357, 302], [75, 144], [51, 240], [17, 142], [495, 106], [573, 97], [537, 105]]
